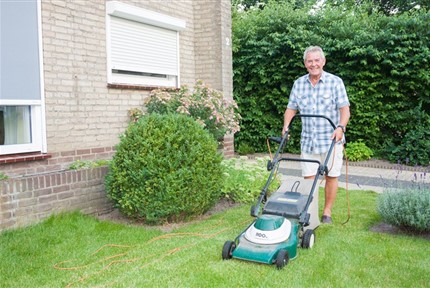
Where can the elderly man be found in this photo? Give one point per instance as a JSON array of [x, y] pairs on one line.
[[320, 93]]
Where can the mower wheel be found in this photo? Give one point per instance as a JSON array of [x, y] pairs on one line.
[[308, 239], [227, 250], [282, 259]]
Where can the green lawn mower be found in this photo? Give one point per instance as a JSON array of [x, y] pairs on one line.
[[288, 218]]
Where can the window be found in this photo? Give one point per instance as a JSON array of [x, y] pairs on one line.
[[16, 122], [21, 73], [142, 46]]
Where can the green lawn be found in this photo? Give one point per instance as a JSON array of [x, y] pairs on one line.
[[73, 250]]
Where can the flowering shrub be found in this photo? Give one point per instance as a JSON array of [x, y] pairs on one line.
[[206, 105]]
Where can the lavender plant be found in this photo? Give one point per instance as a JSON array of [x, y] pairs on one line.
[[407, 206], [206, 105]]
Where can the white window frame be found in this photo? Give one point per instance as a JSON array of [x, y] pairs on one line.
[[37, 109], [140, 22], [36, 124]]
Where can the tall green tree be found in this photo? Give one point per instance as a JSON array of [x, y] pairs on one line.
[[247, 4], [389, 7]]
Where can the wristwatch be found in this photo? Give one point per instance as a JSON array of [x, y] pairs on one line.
[[341, 127]]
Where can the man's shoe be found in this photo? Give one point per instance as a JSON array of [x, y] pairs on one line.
[[326, 219]]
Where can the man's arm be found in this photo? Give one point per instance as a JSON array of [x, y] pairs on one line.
[[288, 115], [344, 116], [344, 119]]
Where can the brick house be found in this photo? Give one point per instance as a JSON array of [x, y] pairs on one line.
[[71, 70]]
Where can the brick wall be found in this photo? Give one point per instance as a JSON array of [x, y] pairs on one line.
[[84, 117], [55, 162], [30, 199], [213, 43], [81, 111]]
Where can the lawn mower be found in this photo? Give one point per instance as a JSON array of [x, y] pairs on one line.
[[288, 218]]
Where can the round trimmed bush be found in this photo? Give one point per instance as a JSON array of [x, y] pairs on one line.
[[166, 168]]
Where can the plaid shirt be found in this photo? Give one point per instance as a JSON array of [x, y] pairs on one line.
[[324, 99]]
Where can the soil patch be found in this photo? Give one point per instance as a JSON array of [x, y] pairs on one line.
[[117, 217], [394, 230]]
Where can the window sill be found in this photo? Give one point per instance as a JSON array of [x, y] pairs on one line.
[[25, 157], [137, 87]]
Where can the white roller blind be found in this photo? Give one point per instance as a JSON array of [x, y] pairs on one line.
[[140, 47], [19, 51]]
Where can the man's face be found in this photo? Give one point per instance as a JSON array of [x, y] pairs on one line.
[[314, 63]]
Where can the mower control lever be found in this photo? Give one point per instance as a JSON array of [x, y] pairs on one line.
[[276, 139], [269, 165], [323, 169]]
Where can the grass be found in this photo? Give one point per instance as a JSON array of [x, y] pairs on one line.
[[73, 250]]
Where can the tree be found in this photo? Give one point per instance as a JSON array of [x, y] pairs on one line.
[[400, 6], [388, 7], [247, 4]]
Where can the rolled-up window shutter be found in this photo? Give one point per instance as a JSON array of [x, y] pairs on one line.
[[143, 48]]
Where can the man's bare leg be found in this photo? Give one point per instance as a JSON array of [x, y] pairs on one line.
[[330, 191], [331, 186]]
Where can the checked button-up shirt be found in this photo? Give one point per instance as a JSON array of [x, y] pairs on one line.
[[325, 98]]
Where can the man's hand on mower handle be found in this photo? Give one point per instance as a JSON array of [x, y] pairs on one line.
[[337, 134], [284, 130]]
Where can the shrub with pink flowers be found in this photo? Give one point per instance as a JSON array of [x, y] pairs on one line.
[[206, 105]]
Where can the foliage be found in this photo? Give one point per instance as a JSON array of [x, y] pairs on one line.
[[245, 149], [262, 60], [3, 176], [74, 250], [414, 147], [358, 151], [135, 114], [82, 164], [243, 5], [388, 7], [166, 168], [206, 105], [382, 59], [243, 180], [407, 207]]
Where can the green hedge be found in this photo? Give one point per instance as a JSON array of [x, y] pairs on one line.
[[383, 60]]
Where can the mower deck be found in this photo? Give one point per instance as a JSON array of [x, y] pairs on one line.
[[266, 253]]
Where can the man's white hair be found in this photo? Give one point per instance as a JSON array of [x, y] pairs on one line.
[[313, 49]]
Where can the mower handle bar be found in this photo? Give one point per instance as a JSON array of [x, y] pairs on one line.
[[312, 116], [282, 142]]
